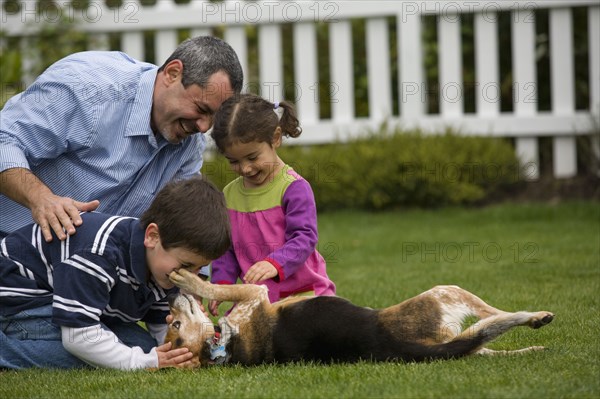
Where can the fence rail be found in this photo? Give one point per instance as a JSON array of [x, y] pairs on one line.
[[387, 50]]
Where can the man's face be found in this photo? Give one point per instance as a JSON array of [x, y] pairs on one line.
[[178, 112]]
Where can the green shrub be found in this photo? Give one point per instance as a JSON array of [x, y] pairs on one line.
[[387, 170]]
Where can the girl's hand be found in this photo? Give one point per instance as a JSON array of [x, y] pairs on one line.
[[260, 271], [213, 307], [180, 357]]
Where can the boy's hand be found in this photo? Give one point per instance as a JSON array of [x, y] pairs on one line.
[[260, 271], [180, 357]]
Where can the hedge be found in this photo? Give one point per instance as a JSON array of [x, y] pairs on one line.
[[388, 170]]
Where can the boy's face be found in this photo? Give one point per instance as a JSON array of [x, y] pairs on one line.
[[161, 261]]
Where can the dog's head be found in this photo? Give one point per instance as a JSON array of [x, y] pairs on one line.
[[190, 327]]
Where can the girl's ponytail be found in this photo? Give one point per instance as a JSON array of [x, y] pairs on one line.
[[289, 124]]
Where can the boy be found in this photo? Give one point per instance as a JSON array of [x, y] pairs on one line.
[[73, 303]]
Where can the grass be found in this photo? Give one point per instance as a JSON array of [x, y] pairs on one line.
[[517, 257]]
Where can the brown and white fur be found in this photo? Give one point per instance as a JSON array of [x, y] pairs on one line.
[[331, 329]]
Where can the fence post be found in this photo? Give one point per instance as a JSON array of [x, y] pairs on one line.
[[411, 68], [342, 73], [378, 66], [525, 87], [486, 65], [235, 35], [305, 71], [594, 50], [271, 62], [563, 88], [594, 60], [450, 66]]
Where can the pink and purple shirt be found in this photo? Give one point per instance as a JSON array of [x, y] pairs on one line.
[[277, 223]]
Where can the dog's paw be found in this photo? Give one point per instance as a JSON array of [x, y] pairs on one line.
[[186, 280], [175, 277], [180, 277], [540, 319]]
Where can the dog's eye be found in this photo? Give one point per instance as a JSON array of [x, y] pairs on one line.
[[176, 324]]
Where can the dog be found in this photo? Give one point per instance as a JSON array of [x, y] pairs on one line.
[[332, 329]]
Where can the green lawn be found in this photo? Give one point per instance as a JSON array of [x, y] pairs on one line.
[[516, 257]]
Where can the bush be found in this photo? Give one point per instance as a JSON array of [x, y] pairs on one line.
[[387, 170]]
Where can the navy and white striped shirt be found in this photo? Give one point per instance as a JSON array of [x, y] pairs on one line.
[[83, 128], [97, 275]]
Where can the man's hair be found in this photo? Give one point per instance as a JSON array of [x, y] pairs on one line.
[[191, 214], [202, 57]]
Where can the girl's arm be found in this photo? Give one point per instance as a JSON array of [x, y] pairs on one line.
[[226, 269], [301, 234]]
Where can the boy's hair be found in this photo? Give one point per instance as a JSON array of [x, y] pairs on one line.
[[202, 57], [247, 118], [191, 214]]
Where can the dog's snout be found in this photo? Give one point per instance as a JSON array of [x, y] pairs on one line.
[[192, 302], [171, 299]]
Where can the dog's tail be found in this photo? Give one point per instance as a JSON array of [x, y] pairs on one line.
[[458, 347], [451, 350]]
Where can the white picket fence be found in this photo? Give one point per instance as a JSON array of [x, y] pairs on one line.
[[526, 124]]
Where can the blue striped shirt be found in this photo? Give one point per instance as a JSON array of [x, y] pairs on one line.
[[98, 275], [83, 127]]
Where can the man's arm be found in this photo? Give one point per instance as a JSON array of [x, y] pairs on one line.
[[49, 118], [50, 211]]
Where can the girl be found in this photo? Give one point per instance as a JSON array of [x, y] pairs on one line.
[[271, 207]]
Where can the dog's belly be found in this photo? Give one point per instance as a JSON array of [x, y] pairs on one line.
[[326, 329]]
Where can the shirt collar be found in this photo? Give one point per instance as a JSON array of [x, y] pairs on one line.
[[139, 120]]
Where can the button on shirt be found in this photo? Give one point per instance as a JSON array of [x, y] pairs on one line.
[[83, 128]]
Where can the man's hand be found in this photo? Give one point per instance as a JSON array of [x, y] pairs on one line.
[[61, 214], [50, 211], [260, 271], [168, 357]]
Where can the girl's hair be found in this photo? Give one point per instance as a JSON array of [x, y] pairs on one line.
[[248, 117]]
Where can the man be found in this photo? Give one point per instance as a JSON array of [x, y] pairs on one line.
[[102, 131]]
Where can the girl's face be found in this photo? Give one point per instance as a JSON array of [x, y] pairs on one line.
[[256, 162], [161, 262]]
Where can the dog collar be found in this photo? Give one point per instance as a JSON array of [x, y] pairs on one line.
[[218, 354]]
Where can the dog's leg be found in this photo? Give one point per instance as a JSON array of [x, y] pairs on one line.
[[491, 352], [452, 296], [454, 306], [457, 304], [193, 284], [248, 298], [492, 327], [437, 315]]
